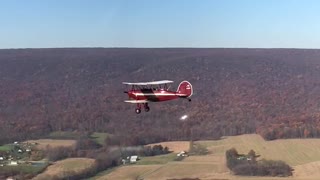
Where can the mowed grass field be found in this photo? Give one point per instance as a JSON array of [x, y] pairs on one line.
[[302, 154], [6, 147], [99, 137], [43, 143], [292, 151], [61, 169]]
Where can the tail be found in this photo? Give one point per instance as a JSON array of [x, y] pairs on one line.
[[185, 89]]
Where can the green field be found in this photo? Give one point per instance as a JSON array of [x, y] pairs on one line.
[[161, 159], [99, 137], [24, 169], [302, 154], [6, 147]]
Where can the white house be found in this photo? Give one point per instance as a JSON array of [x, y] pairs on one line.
[[13, 163]]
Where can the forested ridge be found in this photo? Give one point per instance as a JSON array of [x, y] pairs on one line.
[[273, 92]]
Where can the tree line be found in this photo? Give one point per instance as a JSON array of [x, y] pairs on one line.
[[248, 165]]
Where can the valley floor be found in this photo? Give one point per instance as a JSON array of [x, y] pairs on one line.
[[302, 154]]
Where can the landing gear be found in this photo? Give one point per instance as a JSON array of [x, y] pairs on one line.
[[146, 107], [138, 109]]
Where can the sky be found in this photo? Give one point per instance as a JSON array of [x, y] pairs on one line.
[[160, 23]]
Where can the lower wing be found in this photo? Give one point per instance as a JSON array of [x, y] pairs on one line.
[[136, 101]]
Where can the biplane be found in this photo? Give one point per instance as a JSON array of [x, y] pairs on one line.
[[142, 93]]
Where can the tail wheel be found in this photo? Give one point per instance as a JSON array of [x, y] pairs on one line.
[[138, 111]]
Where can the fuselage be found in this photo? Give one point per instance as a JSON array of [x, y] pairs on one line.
[[152, 95]]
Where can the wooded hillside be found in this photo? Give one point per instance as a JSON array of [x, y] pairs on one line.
[[274, 92]]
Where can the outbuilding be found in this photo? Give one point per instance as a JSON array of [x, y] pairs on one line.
[[182, 153], [133, 159]]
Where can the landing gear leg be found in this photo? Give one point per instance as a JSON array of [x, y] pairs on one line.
[[138, 109], [146, 107]]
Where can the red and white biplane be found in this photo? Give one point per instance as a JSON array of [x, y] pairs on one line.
[[142, 93]]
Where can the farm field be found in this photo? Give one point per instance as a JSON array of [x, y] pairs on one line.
[[62, 168], [292, 151], [161, 159], [175, 146], [43, 143], [131, 172], [302, 154]]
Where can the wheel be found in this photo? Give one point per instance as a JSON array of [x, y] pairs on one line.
[[138, 111], [147, 108]]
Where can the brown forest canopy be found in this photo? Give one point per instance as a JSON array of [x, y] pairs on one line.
[[274, 92]]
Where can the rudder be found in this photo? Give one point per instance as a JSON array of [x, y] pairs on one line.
[[185, 89]]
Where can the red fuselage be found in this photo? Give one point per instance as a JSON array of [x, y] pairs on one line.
[[143, 93], [153, 95]]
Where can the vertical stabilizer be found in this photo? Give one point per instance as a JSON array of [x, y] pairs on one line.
[[185, 89]]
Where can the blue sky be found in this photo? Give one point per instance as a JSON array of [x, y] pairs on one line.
[[160, 23]]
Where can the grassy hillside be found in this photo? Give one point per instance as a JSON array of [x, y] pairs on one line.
[[61, 169], [274, 92]]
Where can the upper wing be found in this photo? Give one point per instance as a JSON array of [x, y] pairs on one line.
[[149, 83], [136, 101]]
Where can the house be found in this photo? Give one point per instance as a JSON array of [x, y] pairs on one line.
[[183, 154]]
